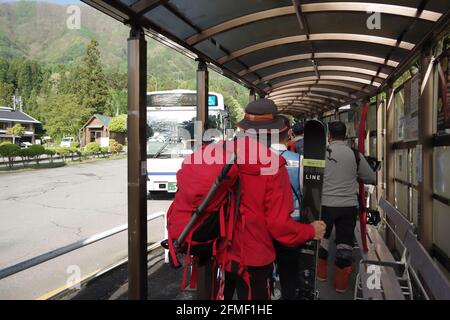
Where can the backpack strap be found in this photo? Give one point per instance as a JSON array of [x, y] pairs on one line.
[[357, 158], [172, 252], [298, 196]]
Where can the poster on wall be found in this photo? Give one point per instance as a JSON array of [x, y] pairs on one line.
[[401, 128], [399, 103], [411, 120], [418, 163], [443, 95], [351, 132]]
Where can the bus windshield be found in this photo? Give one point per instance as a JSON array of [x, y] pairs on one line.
[[171, 115], [164, 137], [163, 132]]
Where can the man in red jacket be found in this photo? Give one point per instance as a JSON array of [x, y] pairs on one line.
[[265, 208]]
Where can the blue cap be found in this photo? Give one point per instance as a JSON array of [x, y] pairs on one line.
[[297, 128]]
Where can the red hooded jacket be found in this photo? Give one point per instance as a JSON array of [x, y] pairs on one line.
[[265, 209]]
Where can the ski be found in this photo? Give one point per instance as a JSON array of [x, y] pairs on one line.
[[313, 171], [361, 194]]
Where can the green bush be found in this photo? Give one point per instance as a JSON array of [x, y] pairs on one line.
[[63, 152], [50, 153], [25, 154], [37, 151], [83, 154], [114, 146], [104, 150], [93, 147], [118, 124], [74, 150], [4, 143], [75, 145], [9, 151]]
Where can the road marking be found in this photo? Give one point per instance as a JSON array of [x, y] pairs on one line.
[[53, 293]]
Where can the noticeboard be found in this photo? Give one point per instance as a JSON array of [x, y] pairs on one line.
[[443, 95]]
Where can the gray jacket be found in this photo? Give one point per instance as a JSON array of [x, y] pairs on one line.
[[340, 187]]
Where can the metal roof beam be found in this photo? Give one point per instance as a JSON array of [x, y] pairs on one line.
[[316, 37], [319, 55], [291, 91], [304, 107], [328, 77], [322, 68], [143, 6], [312, 100], [409, 12], [296, 82], [318, 101], [308, 94]]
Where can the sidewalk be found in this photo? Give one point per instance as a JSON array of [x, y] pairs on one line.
[[164, 283]]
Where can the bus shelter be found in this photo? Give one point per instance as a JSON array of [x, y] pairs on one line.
[[311, 57]]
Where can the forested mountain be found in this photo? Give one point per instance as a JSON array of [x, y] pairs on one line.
[[55, 68]]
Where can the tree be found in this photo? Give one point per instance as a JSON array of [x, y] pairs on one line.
[[25, 154], [4, 66], [16, 131], [9, 151], [37, 151], [6, 94], [234, 108], [118, 124], [62, 115], [91, 82], [62, 152], [29, 78], [50, 153], [117, 102]]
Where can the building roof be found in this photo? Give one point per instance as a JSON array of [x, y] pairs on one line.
[[104, 119], [309, 56], [9, 114]]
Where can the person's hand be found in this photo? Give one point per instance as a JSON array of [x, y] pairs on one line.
[[319, 228]]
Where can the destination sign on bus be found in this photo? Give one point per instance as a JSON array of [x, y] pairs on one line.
[[178, 100]]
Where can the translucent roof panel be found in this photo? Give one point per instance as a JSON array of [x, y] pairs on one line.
[[207, 13], [270, 45]]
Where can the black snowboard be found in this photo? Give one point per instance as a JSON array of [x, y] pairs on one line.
[[313, 170]]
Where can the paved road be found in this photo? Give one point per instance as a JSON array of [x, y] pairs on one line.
[[45, 209]]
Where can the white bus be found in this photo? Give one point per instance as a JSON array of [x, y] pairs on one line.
[[167, 112]]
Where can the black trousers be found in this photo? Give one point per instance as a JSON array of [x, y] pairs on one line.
[[260, 282], [288, 269], [344, 221]]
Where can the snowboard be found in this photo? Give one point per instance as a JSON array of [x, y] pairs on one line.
[[313, 171]]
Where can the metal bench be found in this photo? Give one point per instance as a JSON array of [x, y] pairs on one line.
[[430, 279], [388, 287], [396, 280]]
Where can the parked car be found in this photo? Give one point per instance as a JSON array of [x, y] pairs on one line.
[[25, 144], [66, 142]]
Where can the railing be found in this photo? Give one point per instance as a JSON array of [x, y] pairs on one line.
[[49, 159], [24, 265]]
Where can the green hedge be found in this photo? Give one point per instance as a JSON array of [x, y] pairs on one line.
[[92, 147], [10, 151], [118, 124]]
